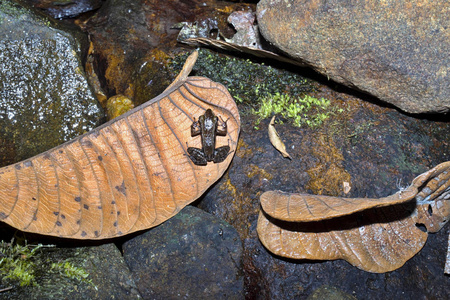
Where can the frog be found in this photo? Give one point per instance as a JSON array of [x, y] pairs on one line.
[[208, 127]]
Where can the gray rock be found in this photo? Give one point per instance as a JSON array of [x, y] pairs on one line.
[[108, 277], [397, 51], [194, 255], [45, 98]]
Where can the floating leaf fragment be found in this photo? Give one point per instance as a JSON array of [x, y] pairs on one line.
[[375, 235], [129, 174], [346, 187], [276, 140]]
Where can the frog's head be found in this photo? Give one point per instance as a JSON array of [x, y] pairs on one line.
[[209, 114]]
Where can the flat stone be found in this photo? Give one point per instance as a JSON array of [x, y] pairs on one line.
[[194, 255], [397, 51]]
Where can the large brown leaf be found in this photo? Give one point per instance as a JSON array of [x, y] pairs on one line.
[[376, 235], [130, 174]]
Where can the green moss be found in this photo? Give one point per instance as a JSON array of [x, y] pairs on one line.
[[17, 262], [71, 271], [246, 80], [300, 111], [23, 265]]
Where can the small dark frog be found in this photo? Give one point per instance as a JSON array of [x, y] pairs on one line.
[[208, 126]]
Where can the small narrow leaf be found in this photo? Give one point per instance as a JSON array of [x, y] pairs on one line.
[[276, 140]]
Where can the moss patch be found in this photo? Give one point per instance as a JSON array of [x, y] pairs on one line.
[[300, 111], [23, 264], [246, 80]]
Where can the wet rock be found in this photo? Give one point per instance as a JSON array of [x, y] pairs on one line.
[[376, 150], [330, 293], [191, 256], [134, 39], [65, 8], [82, 273], [45, 99], [396, 51]]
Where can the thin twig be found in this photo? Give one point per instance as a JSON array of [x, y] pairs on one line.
[[6, 289]]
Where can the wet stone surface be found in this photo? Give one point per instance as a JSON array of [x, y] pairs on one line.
[[45, 99], [194, 255], [388, 50], [375, 149]]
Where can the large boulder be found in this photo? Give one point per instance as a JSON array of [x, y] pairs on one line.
[[397, 51], [45, 98]]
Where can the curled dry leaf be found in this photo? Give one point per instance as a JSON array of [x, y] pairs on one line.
[[201, 41], [129, 174], [276, 140], [376, 235]]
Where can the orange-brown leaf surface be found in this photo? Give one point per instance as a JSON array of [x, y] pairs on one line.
[[376, 235], [129, 174]]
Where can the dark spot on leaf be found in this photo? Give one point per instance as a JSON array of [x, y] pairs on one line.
[[3, 215], [83, 233], [85, 142], [113, 202], [122, 188], [100, 158], [63, 216], [33, 198], [56, 213], [78, 199], [78, 222], [58, 223], [28, 163], [118, 213], [46, 155], [60, 151], [115, 224], [18, 167], [99, 207], [96, 233], [86, 206]]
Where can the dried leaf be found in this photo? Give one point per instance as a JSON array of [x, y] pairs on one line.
[[276, 140], [346, 187], [129, 174], [241, 49], [376, 235]]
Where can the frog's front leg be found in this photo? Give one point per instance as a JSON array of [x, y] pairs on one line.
[[197, 156], [195, 128], [221, 126]]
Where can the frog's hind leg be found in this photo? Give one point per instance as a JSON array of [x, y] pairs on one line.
[[221, 153], [197, 156]]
